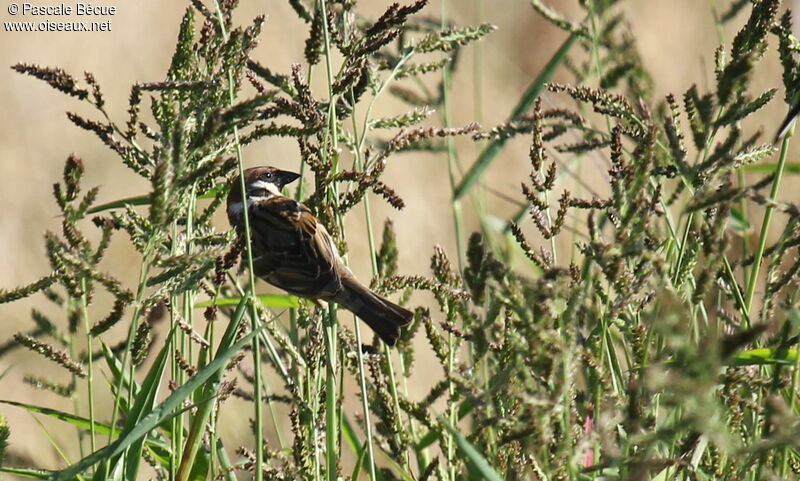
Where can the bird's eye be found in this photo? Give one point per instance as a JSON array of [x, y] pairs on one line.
[[266, 176]]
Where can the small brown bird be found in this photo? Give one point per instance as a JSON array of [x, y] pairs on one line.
[[293, 250]]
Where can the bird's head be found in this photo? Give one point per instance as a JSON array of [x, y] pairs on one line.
[[260, 183]]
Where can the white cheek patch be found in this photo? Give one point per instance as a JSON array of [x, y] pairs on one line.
[[237, 208], [268, 186]]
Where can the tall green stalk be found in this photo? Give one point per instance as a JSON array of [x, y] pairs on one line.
[[89, 363], [254, 318], [452, 160], [765, 224], [373, 263], [331, 351], [144, 272]]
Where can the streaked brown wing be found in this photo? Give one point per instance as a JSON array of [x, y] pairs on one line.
[[293, 250]]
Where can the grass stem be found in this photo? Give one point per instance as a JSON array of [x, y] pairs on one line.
[[765, 223]]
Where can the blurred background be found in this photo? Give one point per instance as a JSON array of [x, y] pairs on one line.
[[36, 137]]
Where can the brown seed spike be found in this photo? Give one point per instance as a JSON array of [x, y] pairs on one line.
[[55, 77]]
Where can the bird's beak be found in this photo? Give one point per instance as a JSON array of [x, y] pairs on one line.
[[287, 177]]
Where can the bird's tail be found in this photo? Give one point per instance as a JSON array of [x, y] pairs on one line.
[[381, 315]]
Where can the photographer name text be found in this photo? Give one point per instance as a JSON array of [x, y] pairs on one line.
[[86, 9], [85, 17]]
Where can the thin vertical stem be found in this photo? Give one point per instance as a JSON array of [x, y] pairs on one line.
[[331, 407], [477, 70], [254, 318], [90, 362], [373, 263], [452, 161], [187, 315], [386, 351], [768, 212], [75, 401], [176, 440], [137, 311], [331, 410], [459, 232], [792, 395], [365, 403]]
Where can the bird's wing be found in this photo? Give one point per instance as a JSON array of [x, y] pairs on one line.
[[295, 251]]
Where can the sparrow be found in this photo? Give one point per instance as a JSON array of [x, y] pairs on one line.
[[293, 251]]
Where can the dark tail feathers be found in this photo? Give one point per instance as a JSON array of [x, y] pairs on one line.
[[381, 315]]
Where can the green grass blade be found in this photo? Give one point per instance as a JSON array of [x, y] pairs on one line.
[[534, 89], [156, 447], [161, 412], [432, 436], [349, 435], [476, 463], [395, 467], [78, 421], [788, 168], [143, 405], [362, 455], [115, 366], [146, 200], [118, 204], [159, 452], [269, 300], [206, 390], [738, 223], [27, 472], [359, 450], [225, 462], [764, 355], [200, 469]]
